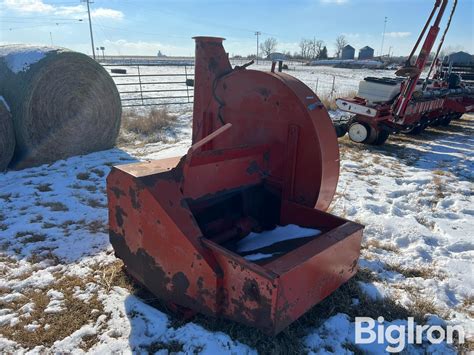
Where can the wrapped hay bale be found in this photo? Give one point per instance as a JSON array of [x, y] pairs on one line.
[[63, 103], [7, 135]]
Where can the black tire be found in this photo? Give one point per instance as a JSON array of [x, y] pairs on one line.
[[416, 130], [341, 130], [436, 122], [382, 137], [446, 121]]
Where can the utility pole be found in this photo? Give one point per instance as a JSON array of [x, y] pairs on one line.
[[258, 33], [383, 36], [90, 27]]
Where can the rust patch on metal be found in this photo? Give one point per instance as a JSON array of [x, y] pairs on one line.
[[180, 282], [148, 272], [119, 213], [134, 199], [117, 192]]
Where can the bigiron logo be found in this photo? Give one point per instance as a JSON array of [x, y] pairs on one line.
[[369, 331]]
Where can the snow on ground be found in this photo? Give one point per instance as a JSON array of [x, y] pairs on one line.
[[415, 197], [324, 80], [62, 289]]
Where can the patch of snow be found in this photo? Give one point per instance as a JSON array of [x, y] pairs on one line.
[[7, 319], [375, 291], [255, 241], [11, 297], [57, 302], [27, 308], [2, 99], [31, 327], [19, 58], [257, 256], [135, 326]]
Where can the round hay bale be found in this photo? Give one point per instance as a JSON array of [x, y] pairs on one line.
[[63, 103], [7, 136]]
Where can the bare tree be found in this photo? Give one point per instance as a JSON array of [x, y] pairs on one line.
[[318, 47], [305, 48], [311, 48], [268, 46], [341, 42]]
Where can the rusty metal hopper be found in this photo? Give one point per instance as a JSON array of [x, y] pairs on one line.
[[264, 154]]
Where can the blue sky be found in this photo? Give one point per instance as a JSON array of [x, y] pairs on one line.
[[146, 26]]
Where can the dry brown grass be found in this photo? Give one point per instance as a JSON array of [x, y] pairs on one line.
[[83, 176], [76, 314], [377, 244], [419, 271], [329, 101], [95, 203], [54, 206], [44, 187], [145, 127], [97, 226], [98, 172]]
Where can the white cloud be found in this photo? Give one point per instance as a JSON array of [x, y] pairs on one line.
[[398, 34], [337, 2], [351, 35], [124, 47], [107, 13], [72, 11], [28, 6], [39, 7]]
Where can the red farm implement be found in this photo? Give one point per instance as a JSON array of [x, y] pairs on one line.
[[408, 104], [264, 154]]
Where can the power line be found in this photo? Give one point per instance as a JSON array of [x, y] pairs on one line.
[[90, 27], [40, 25], [383, 36], [257, 33]]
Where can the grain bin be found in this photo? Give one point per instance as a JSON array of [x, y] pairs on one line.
[[63, 103]]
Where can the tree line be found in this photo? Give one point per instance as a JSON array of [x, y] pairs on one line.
[[309, 49]]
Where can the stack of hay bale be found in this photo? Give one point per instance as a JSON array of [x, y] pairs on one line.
[[60, 104]]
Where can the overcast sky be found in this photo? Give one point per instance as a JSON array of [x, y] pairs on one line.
[[146, 26]]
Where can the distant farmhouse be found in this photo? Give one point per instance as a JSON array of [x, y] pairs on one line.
[[460, 58], [366, 53], [348, 52]]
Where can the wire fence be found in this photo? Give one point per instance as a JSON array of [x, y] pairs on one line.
[[153, 84], [158, 84]]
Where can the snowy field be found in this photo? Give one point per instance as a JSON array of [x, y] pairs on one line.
[[62, 290], [325, 81]]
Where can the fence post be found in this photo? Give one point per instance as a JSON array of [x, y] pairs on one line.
[[140, 82], [186, 81], [333, 85], [317, 82]]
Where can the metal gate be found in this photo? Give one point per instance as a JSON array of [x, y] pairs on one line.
[[153, 84]]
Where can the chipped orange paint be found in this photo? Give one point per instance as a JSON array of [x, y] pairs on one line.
[[264, 153]]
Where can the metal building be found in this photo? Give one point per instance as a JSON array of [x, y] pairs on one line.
[[460, 58], [348, 52], [366, 53]]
